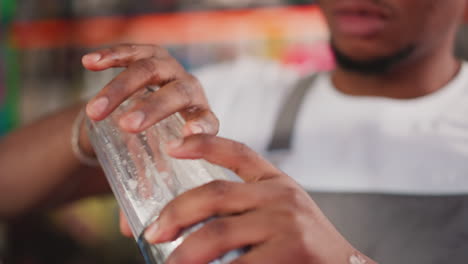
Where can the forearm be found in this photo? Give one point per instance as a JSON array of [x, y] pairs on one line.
[[38, 167]]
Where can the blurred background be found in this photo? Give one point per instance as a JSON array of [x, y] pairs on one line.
[[41, 45]]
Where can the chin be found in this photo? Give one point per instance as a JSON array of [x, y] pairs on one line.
[[364, 50]]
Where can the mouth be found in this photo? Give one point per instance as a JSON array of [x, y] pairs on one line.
[[360, 18]]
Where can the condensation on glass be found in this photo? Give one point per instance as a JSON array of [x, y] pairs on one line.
[[144, 178]]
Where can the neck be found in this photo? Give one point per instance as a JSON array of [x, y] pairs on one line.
[[417, 76]]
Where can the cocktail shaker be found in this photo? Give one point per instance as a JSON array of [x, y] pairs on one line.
[[144, 178]]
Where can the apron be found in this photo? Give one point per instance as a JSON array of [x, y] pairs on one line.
[[413, 229]]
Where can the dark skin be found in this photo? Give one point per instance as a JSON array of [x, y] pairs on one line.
[[269, 211], [37, 161], [271, 194], [266, 194], [428, 25], [39, 170]]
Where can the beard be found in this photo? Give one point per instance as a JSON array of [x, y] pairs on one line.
[[374, 66]]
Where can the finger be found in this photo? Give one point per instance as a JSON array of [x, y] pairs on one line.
[[136, 76], [239, 158], [121, 56], [212, 199], [124, 227], [222, 235], [200, 122], [272, 252], [171, 98]]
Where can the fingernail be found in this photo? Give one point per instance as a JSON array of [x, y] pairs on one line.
[[151, 233], [94, 57], [134, 120], [196, 129], [98, 106], [175, 143]]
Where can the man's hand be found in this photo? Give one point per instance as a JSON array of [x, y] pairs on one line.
[[146, 66], [269, 212]]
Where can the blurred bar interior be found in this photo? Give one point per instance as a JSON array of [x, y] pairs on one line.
[[40, 71]]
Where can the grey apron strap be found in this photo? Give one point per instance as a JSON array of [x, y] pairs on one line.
[[285, 123]]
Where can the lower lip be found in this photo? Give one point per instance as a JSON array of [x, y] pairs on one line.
[[359, 25]]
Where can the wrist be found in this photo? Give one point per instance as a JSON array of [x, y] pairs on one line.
[[84, 141], [80, 143]]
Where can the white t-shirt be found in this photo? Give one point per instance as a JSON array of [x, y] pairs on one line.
[[347, 143]]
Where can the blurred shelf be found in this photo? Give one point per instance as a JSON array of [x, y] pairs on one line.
[[59, 9], [226, 26]]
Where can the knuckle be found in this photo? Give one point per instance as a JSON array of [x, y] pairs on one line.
[[241, 150], [206, 144], [147, 67], [213, 122], [183, 90], [192, 113], [126, 48], [117, 88], [302, 251], [216, 228], [120, 52], [193, 80], [292, 196], [131, 49], [160, 52], [115, 49], [212, 118], [196, 87], [170, 213], [243, 154], [219, 189], [269, 175], [290, 215], [302, 247], [177, 69]]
